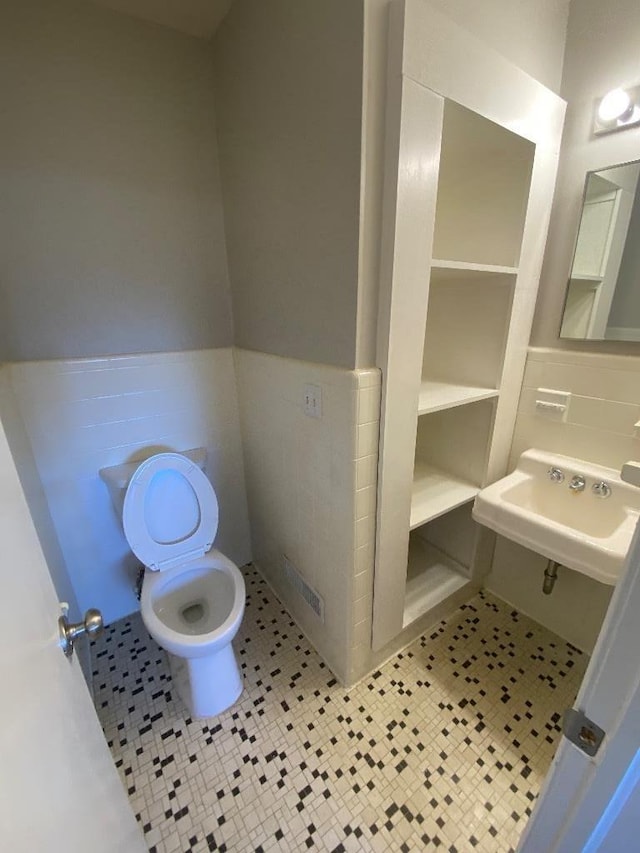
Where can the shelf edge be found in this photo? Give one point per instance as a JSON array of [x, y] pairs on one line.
[[483, 394], [469, 266]]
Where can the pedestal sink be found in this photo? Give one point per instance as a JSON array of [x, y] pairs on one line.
[[572, 511]]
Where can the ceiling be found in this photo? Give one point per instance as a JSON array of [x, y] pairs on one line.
[[198, 18]]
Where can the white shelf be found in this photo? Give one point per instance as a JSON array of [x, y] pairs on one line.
[[585, 277], [435, 492], [432, 577], [442, 269], [435, 396]]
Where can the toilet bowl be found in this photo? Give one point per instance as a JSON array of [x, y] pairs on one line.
[[193, 597], [193, 611]]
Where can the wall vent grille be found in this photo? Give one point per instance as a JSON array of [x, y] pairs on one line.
[[299, 584]]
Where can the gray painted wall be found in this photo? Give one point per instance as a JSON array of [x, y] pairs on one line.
[[111, 228], [289, 106]]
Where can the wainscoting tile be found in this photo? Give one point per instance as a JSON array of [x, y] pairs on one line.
[[311, 486], [81, 415]]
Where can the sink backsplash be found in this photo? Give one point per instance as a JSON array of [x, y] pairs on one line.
[[602, 411]]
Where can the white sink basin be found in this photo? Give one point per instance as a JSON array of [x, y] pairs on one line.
[[578, 529]]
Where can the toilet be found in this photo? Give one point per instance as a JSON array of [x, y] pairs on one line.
[[193, 597]]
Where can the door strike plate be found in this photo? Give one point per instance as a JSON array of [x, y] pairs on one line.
[[581, 731]]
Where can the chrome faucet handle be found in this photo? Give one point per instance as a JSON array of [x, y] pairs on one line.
[[577, 483], [601, 489], [555, 475]]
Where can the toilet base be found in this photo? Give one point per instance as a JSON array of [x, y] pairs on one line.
[[207, 685]]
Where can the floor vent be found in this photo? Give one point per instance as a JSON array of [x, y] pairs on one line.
[[300, 585]]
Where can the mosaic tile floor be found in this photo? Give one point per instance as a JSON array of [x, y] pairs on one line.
[[444, 748]]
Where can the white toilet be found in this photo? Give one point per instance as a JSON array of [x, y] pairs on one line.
[[193, 596]]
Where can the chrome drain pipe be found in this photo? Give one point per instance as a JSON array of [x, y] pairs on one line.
[[550, 576]]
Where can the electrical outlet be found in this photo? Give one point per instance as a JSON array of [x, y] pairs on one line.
[[313, 401]]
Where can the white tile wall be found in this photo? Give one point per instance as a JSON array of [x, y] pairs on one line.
[[85, 414], [311, 492], [599, 427], [604, 406]]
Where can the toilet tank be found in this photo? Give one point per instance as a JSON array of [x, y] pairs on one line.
[[117, 477]]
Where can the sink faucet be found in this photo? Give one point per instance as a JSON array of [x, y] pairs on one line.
[[577, 483]]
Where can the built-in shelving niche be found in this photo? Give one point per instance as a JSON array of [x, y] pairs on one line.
[[466, 332], [440, 558], [483, 190], [450, 458]]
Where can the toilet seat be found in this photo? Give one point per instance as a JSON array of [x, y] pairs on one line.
[[170, 512]]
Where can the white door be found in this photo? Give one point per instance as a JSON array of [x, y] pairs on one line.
[[59, 790], [590, 804]]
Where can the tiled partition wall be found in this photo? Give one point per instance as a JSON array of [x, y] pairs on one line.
[[86, 414], [599, 427], [311, 488]]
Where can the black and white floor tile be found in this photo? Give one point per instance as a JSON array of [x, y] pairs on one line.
[[443, 748]]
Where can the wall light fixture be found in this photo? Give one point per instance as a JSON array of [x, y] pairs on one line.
[[619, 109]]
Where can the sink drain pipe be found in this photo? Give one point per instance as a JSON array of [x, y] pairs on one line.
[[550, 576]]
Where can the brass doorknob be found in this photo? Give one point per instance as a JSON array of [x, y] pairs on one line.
[[69, 631]]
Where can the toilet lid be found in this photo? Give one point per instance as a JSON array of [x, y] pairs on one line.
[[170, 512]]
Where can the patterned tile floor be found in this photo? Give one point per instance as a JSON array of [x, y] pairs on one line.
[[444, 748]]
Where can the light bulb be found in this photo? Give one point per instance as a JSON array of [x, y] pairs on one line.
[[616, 104]]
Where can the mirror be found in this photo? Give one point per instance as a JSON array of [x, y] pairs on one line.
[[603, 294]]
